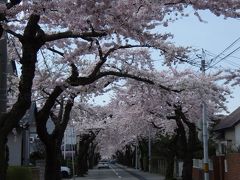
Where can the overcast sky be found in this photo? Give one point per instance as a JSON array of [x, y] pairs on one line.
[[214, 36]]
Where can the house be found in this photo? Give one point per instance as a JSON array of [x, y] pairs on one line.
[[227, 136], [18, 140], [228, 133], [23, 140], [69, 142]]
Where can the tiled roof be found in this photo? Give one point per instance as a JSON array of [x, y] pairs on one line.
[[229, 121]]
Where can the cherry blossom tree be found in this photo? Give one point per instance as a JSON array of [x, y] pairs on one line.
[[90, 28], [174, 113]]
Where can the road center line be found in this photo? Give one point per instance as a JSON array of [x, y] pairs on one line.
[[115, 172]]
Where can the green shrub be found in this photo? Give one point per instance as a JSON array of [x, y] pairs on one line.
[[18, 172]]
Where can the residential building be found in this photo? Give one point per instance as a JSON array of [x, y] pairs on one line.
[[18, 140], [228, 133]]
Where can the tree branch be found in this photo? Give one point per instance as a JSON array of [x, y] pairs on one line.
[[32, 27], [62, 125], [103, 58], [70, 34], [13, 3], [47, 93], [155, 126], [131, 76], [56, 51], [19, 36], [124, 47]]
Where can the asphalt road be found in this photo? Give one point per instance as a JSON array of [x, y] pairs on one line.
[[117, 173]]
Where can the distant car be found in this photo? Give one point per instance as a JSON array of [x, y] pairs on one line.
[[103, 165], [113, 161], [65, 172]]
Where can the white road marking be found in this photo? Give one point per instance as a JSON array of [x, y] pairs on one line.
[[115, 172]]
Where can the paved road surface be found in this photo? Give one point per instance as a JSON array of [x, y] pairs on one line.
[[116, 172]]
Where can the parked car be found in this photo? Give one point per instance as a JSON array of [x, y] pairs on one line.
[[103, 164], [112, 161], [65, 172]]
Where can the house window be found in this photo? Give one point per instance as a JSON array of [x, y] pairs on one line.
[[31, 139], [223, 148]]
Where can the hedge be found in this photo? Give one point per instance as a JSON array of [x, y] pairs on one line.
[[19, 172]]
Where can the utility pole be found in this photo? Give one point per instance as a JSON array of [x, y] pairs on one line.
[[73, 150], [3, 71], [149, 148], [204, 128]]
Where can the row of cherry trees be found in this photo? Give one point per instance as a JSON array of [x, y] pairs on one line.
[[174, 115], [70, 49]]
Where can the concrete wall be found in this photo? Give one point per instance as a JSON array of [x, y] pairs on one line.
[[15, 149]]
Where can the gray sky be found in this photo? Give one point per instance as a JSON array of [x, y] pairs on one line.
[[214, 36]]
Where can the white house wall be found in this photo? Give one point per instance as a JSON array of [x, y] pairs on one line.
[[230, 135], [69, 135]]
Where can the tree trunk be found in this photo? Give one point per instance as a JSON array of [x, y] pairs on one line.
[[85, 163], [84, 143], [53, 164], [30, 46], [170, 168], [82, 160], [91, 155], [187, 167], [53, 141], [3, 158], [192, 147], [188, 144]]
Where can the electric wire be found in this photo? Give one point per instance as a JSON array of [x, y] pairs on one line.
[[232, 44], [226, 56], [228, 61]]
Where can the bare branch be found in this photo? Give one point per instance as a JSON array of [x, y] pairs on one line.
[[101, 62], [19, 36], [66, 114], [75, 73], [69, 34], [103, 58], [56, 51], [131, 76], [47, 93], [177, 2], [155, 126], [124, 47]]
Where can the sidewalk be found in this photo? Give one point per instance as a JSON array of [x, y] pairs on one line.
[[141, 174]]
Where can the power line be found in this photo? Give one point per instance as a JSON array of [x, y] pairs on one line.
[[232, 44], [223, 58], [227, 61], [213, 55]]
